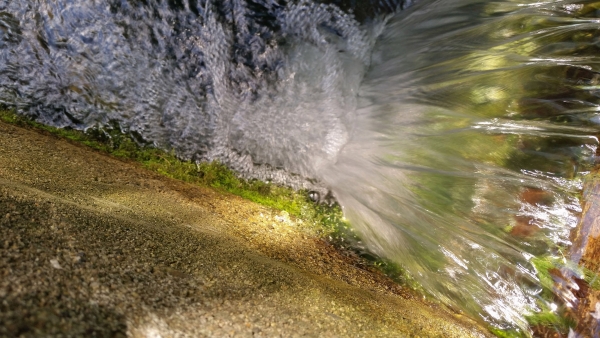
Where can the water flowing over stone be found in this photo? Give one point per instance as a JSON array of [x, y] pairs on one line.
[[455, 134]]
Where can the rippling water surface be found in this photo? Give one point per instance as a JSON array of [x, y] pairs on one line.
[[454, 133]]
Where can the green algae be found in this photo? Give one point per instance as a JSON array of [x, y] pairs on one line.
[[548, 268], [214, 174], [507, 333]]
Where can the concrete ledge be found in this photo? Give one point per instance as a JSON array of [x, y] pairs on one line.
[[95, 246]]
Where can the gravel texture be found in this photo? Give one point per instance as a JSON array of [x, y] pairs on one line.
[[91, 246]]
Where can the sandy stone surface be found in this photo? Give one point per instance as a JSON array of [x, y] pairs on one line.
[[93, 246]]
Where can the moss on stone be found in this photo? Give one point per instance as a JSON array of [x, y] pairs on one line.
[[507, 333], [214, 174], [326, 220]]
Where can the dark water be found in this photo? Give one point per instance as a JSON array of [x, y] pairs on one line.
[[456, 134]]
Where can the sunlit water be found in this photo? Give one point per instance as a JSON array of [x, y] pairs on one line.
[[455, 133]]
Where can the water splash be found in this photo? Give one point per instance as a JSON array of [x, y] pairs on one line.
[[478, 122], [455, 135]]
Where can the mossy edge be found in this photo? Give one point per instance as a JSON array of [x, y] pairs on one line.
[[214, 174], [327, 221]]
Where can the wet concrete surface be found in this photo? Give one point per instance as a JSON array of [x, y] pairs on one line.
[[94, 246]]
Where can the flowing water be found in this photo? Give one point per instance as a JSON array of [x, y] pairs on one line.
[[454, 133]]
